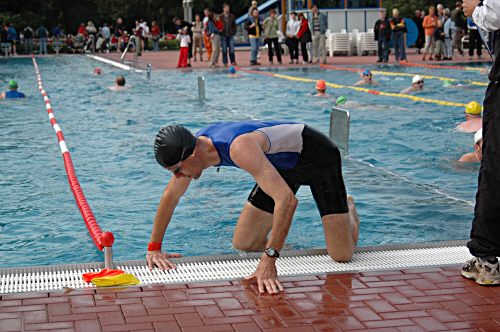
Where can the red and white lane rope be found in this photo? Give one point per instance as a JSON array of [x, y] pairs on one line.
[[88, 216]]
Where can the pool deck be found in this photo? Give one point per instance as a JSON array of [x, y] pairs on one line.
[[417, 299], [168, 59]]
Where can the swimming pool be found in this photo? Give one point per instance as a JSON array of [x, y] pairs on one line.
[[401, 167]]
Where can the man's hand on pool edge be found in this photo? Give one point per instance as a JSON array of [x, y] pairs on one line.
[[160, 259], [267, 276]]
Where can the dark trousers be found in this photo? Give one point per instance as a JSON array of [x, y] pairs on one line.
[[475, 42], [293, 46], [277, 48], [485, 233], [303, 50], [383, 49], [227, 42]]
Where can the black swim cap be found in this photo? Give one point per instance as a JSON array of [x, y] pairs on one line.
[[173, 144]]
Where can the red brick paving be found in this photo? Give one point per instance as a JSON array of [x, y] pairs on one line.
[[436, 299], [168, 59]]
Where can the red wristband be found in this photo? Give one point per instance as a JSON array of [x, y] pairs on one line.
[[154, 246]]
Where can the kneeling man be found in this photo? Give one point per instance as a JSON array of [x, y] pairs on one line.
[[281, 156]]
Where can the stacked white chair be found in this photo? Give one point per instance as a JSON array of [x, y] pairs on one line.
[[367, 43], [353, 42], [341, 42]]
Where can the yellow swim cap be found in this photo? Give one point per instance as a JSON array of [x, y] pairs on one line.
[[473, 108]]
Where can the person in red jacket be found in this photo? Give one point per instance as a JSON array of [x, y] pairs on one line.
[[304, 37]]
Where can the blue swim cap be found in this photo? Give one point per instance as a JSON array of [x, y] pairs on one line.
[[232, 70], [367, 72]]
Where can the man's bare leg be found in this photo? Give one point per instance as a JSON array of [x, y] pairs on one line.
[[252, 229], [342, 233]]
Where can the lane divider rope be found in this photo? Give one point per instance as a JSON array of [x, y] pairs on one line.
[[412, 64], [85, 210], [389, 73], [370, 91]]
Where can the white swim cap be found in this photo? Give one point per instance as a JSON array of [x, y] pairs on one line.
[[478, 136], [416, 79]]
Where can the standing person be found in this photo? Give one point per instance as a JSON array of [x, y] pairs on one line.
[[227, 35], [449, 35], [197, 37], [155, 36], [119, 29], [28, 34], [184, 39], [206, 35], [382, 31], [215, 37], [292, 39], [181, 24], [271, 27], [440, 11], [475, 41], [439, 40], [484, 242], [419, 19], [42, 34], [106, 34], [458, 17], [430, 23], [254, 28], [319, 24], [281, 156], [12, 37], [146, 34], [57, 32], [253, 5], [398, 28], [305, 37]]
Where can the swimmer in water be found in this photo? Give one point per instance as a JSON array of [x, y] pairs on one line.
[[473, 120], [119, 84], [280, 156], [320, 89], [417, 85], [12, 93], [367, 79], [477, 155], [232, 72], [98, 71]]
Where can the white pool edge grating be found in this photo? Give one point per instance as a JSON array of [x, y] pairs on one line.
[[228, 267]]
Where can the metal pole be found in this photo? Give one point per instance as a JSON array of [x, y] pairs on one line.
[[201, 87], [108, 257]]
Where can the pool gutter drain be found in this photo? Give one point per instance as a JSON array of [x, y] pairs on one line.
[[229, 267]]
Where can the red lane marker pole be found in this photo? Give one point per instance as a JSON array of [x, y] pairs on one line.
[[102, 240]]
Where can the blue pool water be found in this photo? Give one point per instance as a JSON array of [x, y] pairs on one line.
[[401, 168]]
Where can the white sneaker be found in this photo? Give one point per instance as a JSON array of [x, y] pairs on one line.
[[485, 271]]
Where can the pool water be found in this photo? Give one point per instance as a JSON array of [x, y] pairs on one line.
[[401, 167]]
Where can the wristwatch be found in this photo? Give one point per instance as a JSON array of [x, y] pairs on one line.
[[271, 252]]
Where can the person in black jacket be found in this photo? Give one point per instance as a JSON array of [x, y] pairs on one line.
[[383, 36], [419, 19]]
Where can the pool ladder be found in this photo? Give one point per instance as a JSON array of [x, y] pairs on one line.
[[132, 42]]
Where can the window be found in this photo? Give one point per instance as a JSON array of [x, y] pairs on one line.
[[329, 4], [363, 4]]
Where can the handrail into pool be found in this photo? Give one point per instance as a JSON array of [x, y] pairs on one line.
[[132, 42], [102, 240]]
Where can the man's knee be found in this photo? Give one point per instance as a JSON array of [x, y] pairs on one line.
[[341, 255], [247, 245]]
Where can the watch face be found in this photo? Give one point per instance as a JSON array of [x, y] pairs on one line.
[[271, 252]]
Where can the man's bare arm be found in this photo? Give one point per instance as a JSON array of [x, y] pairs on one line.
[[171, 195]]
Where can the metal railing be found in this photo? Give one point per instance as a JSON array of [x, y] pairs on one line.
[[132, 42]]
